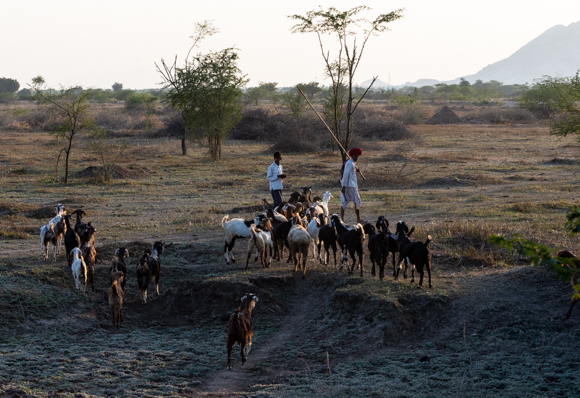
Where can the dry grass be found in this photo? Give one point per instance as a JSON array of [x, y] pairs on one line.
[[458, 184]]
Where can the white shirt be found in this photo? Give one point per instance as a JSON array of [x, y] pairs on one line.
[[273, 171], [349, 175]]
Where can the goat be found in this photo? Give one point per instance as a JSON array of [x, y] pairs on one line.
[[299, 242], [326, 235], [80, 227], [240, 327], [416, 253], [261, 241], [115, 295], [351, 240], [79, 270], [575, 275], [280, 237], [143, 275], [314, 229], [90, 254], [393, 245], [51, 233], [71, 239], [154, 263], [234, 229], [303, 197], [379, 246], [119, 264]]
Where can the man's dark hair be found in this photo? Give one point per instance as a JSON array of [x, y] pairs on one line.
[[277, 154]]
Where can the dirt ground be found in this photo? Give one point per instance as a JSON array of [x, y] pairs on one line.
[[491, 326]]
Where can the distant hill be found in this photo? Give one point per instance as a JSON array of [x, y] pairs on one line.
[[556, 52]]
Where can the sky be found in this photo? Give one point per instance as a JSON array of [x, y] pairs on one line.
[[94, 44]]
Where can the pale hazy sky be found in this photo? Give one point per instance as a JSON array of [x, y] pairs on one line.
[[99, 42]]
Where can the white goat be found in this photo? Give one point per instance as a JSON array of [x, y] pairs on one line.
[[51, 234], [60, 211], [313, 229], [320, 207], [234, 229], [79, 270], [261, 241]]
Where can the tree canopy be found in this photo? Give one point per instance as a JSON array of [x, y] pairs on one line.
[[8, 85], [208, 92]]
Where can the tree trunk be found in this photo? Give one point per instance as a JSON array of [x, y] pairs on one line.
[[183, 146], [66, 165]]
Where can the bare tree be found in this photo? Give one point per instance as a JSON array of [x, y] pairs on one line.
[[70, 107], [342, 101]]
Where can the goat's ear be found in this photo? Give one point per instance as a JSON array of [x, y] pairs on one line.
[[411, 231], [126, 253]]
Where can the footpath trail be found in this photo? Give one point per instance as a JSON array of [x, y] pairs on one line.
[[262, 364]]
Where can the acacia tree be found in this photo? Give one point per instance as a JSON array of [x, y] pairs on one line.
[[70, 108], [170, 74], [342, 101], [210, 92]]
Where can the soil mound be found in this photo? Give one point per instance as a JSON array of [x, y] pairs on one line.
[[562, 161], [202, 301], [444, 116], [119, 172]]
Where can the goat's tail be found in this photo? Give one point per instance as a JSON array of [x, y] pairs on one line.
[[225, 220], [428, 241], [253, 232]]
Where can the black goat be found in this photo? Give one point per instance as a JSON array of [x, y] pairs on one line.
[[351, 240], [326, 236], [393, 245], [71, 239], [379, 246], [416, 253]]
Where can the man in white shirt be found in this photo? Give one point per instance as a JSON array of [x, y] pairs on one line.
[[275, 176], [349, 191]]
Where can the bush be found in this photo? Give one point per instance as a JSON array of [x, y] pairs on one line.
[[500, 116], [411, 114]]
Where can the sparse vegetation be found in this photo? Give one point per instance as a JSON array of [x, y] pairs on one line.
[[491, 325]]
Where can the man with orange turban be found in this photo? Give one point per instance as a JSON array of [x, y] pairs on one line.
[[349, 191]]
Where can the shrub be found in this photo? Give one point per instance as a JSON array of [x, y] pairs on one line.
[[500, 116]]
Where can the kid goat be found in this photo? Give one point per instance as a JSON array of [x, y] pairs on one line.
[[240, 327]]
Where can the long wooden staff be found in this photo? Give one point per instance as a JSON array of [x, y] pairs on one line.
[[329, 130]]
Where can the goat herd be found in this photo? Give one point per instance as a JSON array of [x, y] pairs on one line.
[[297, 225], [301, 223], [79, 243]]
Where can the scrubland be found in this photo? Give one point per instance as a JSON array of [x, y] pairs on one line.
[[491, 326]]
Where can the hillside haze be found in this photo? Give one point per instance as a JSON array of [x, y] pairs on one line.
[[556, 52]]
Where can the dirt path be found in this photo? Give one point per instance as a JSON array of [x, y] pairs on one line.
[[262, 363]]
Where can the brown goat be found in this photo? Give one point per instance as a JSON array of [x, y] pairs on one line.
[[90, 254], [115, 295], [575, 275], [240, 327]]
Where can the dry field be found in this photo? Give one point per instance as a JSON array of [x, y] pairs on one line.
[[492, 326]]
